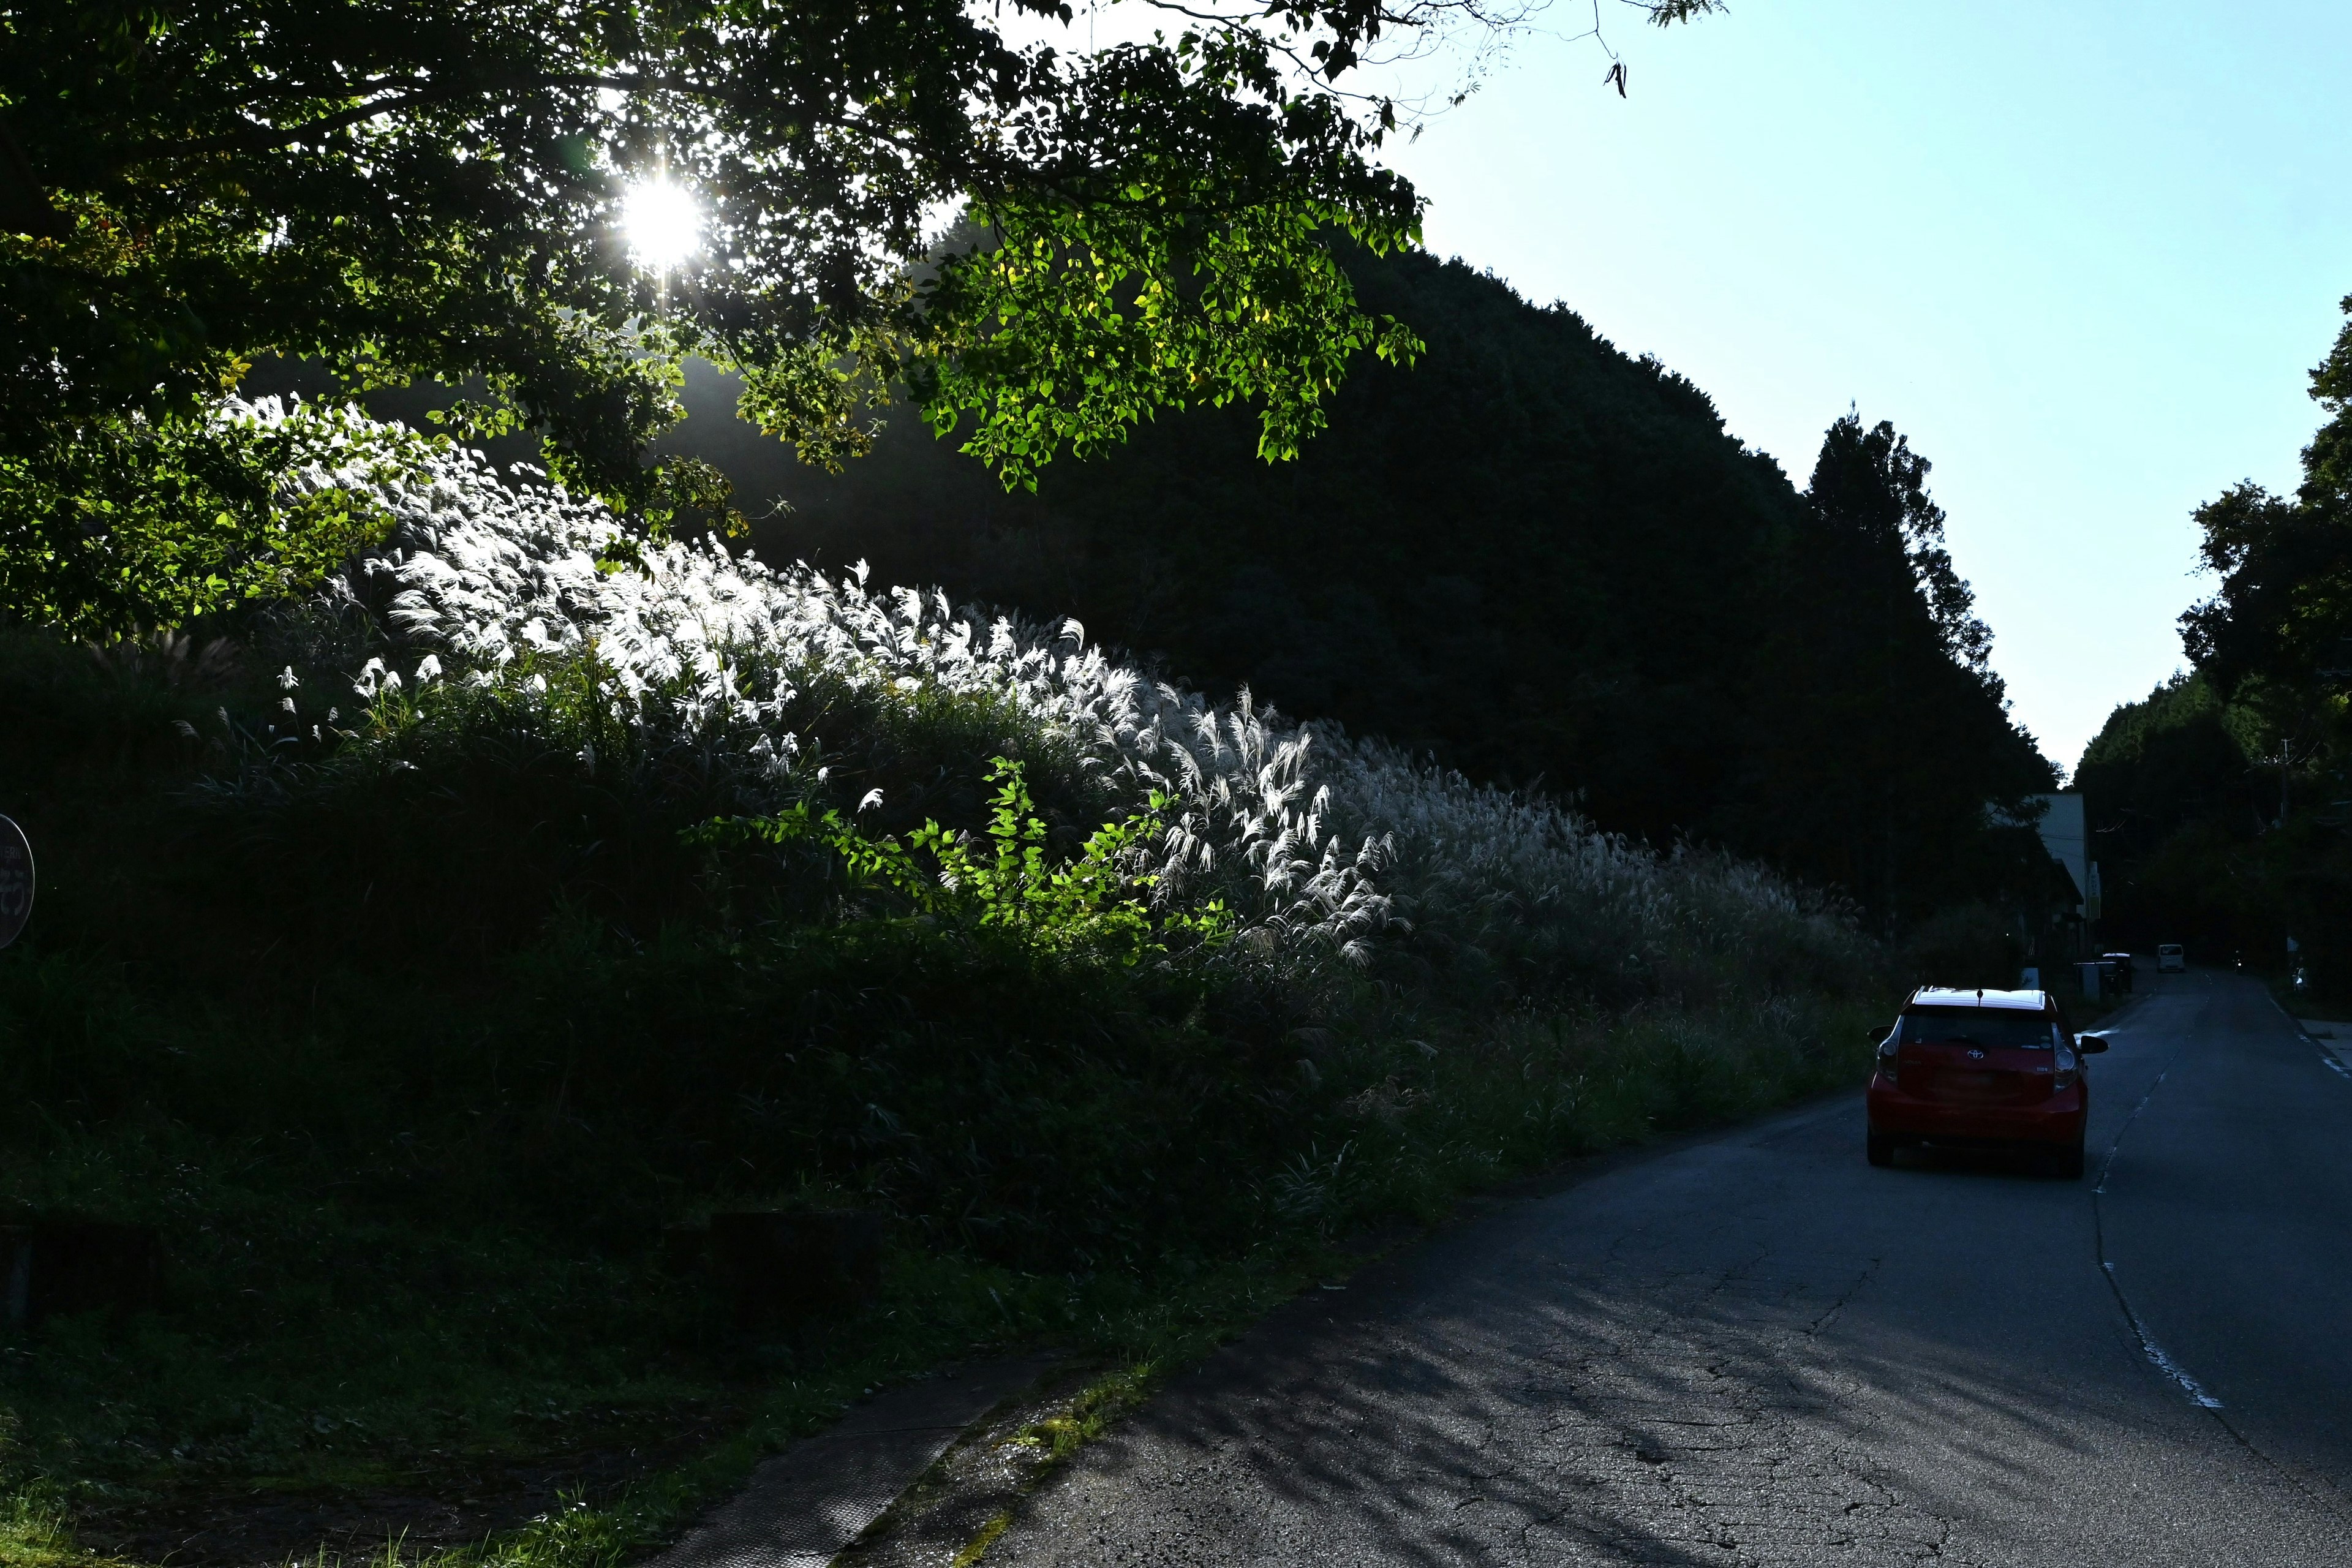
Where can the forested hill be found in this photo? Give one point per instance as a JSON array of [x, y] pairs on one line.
[[1537, 557]]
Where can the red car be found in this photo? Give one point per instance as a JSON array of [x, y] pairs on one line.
[[1980, 1070]]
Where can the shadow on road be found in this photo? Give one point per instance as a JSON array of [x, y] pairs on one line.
[[1754, 1350], [1677, 1398]]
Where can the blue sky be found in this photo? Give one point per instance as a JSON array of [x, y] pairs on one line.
[[2081, 253]]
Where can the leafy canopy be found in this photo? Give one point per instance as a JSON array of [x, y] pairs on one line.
[[118, 520], [2281, 616], [406, 188]]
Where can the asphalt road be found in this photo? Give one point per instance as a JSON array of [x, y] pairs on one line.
[[1759, 1350]]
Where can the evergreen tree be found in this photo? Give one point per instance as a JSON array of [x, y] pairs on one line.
[[1882, 736], [1541, 559]]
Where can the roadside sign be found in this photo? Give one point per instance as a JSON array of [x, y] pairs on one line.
[[15, 881]]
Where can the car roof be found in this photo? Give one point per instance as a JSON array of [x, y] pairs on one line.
[[2013, 1001]]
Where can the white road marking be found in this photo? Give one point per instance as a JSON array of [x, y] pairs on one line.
[[2117, 1147], [2327, 1057], [2164, 1363], [2155, 1353]]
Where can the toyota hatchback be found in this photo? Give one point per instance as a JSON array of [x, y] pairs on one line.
[[1982, 1069]]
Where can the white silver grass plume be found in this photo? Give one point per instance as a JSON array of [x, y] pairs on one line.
[[1317, 842], [699, 641], [1524, 882]]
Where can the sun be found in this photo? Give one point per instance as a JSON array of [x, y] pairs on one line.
[[662, 223]]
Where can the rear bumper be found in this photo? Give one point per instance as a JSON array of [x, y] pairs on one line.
[[2057, 1120]]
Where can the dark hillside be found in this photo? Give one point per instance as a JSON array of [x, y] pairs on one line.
[[1532, 554], [421, 1030], [1528, 553]]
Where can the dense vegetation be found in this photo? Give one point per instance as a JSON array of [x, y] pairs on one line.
[[2212, 831], [1538, 559], [486, 882], [414, 950], [2221, 804], [562, 199], [388, 962]]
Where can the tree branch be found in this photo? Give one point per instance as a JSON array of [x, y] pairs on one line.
[[268, 139]]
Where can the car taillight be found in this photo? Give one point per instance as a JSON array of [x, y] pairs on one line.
[[1887, 1049], [2070, 1070]]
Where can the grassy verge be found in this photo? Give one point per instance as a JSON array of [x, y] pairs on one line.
[[304, 1359], [411, 1063]]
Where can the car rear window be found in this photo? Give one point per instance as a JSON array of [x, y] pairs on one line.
[[1978, 1027]]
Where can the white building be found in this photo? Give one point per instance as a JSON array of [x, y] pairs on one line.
[[2067, 837]]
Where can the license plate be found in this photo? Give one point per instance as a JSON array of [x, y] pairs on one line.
[[1975, 1085]]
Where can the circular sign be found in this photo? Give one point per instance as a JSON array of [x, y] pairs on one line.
[[15, 881]]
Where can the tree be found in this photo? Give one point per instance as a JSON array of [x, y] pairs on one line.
[[2224, 796], [1870, 487], [2191, 811], [406, 188], [1541, 559], [1881, 732], [2275, 636], [2281, 617]]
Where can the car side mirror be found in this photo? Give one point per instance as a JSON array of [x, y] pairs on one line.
[[2090, 1044]]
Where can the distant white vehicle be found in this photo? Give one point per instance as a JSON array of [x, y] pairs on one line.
[[2171, 959]]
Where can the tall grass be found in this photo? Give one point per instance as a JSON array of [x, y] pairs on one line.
[[486, 584], [385, 964]]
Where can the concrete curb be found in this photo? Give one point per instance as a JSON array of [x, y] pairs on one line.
[[802, 1507], [2330, 1037], [2339, 1057]]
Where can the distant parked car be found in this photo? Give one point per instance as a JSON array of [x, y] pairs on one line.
[[2119, 969], [2171, 959], [1982, 1069]]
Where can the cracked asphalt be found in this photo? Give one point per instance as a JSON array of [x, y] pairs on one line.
[[1757, 1349]]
